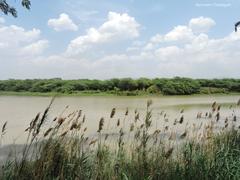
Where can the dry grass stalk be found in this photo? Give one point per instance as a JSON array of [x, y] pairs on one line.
[[172, 136], [238, 103], [149, 103]]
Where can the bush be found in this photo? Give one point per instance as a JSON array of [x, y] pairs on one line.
[[209, 90], [174, 86], [153, 90]]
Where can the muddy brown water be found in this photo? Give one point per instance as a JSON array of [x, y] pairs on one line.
[[18, 111]]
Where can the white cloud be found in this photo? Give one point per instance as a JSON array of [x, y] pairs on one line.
[[179, 52], [201, 24], [118, 27], [183, 34], [63, 23], [167, 53], [156, 39], [35, 48], [17, 46], [179, 33], [201, 57], [14, 35], [15, 41]]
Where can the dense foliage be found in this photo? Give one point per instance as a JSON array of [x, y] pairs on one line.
[[174, 86]]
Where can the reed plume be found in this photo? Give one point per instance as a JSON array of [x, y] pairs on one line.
[[113, 112], [100, 126]]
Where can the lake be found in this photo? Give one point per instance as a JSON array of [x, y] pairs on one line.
[[18, 111]]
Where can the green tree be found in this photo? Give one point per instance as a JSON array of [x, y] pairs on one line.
[[143, 83], [153, 89], [127, 84], [8, 9]]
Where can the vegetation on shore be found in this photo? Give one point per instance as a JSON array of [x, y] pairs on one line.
[[129, 148], [125, 86]]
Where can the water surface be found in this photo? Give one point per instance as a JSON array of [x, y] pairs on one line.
[[19, 111]]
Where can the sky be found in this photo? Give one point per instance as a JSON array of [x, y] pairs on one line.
[[103, 39]]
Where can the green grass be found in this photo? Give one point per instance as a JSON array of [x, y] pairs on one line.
[[137, 151]]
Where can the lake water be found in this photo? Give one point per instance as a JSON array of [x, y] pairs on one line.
[[18, 111]]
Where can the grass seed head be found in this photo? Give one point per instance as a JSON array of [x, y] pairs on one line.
[[182, 136], [47, 132], [235, 118], [4, 127], [126, 113], [64, 134], [113, 112], [181, 119], [169, 152], [73, 126], [100, 126], [118, 122], [93, 142], [60, 121]]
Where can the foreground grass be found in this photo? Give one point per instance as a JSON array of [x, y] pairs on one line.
[[135, 152]]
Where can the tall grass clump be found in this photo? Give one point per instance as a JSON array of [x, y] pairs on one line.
[[132, 147]]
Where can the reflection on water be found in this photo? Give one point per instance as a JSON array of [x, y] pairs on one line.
[[19, 111]]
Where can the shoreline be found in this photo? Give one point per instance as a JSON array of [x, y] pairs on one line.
[[104, 94]]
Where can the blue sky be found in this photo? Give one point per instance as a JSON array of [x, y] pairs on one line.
[[127, 38]]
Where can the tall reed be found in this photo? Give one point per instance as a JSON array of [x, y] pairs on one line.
[[141, 151]]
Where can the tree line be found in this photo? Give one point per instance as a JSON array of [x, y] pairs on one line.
[[166, 86]]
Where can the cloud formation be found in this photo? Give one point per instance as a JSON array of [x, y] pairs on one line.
[[186, 50], [201, 24], [18, 46], [35, 48], [63, 23], [118, 27]]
